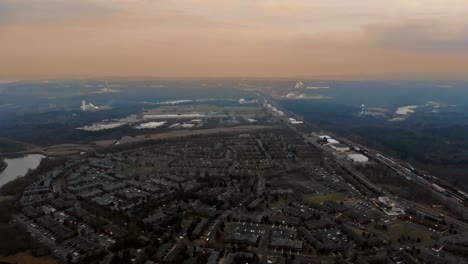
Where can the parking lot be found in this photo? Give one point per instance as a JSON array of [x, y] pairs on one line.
[[43, 236], [61, 250]]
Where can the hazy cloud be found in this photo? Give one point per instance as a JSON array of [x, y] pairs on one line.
[[34, 12], [428, 35], [63, 38]]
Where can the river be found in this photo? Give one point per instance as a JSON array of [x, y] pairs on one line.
[[19, 166]]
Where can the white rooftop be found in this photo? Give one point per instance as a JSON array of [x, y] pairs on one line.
[[355, 157], [332, 141]]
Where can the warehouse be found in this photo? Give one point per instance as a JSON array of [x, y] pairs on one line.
[[339, 147], [358, 158]]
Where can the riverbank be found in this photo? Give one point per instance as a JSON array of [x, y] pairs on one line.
[[19, 247], [3, 165], [18, 167]]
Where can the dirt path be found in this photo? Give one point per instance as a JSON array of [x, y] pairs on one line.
[[27, 258]]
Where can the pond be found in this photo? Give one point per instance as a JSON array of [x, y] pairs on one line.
[[18, 167]]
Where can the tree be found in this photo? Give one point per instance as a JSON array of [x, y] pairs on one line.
[[115, 260], [218, 235], [126, 257], [69, 258]]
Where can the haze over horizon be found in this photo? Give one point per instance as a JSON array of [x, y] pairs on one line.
[[221, 38]]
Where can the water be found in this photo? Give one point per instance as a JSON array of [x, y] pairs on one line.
[[19, 167]]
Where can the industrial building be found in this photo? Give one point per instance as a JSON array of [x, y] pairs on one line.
[[91, 107], [339, 147], [295, 122], [359, 158]]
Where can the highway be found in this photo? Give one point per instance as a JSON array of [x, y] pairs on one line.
[[364, 180], [405, 202], [400, 167]]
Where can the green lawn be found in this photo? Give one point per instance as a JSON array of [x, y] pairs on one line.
[[337, 197], [411, 230]]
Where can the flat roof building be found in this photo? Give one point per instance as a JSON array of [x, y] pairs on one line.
[[339, 147], [355, 157], [332, 141], [286, 243]]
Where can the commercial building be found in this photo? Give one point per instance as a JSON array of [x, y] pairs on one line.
[[339, 147], [286, 244], [359, 158]]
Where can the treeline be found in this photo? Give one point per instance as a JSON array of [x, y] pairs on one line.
[[17, 186], [18, 239], [399, 185], [15, 239], [10, 146], [3, 165], [425, 146], [437, 150], [58, 127]]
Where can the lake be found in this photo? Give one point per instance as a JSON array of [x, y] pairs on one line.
[[19, 167]]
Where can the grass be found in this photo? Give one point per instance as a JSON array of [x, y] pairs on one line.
[[395, 232], [337, 197]]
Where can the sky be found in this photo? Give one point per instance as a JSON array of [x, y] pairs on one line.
[[233, 38]]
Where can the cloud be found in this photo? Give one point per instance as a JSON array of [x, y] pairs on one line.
[[426, 35], [108, 15], [37, 12], [232, 38]]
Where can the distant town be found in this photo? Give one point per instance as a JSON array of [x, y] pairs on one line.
[[273, 192], [233, 132]]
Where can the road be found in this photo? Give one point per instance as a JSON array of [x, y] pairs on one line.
[[57, 250], [264, 250], [374, 187], [405, 202]]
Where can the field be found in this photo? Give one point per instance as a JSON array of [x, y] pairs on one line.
[[208, 110], [411, 230], [337, 197], [185, 133], [76, 149], [27, 258]]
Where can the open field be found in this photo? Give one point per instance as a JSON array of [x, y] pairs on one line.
[[337, 197], [55, 151], [183, 133], [202, 108], [76, 149], [205, 111], [412, 230]]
